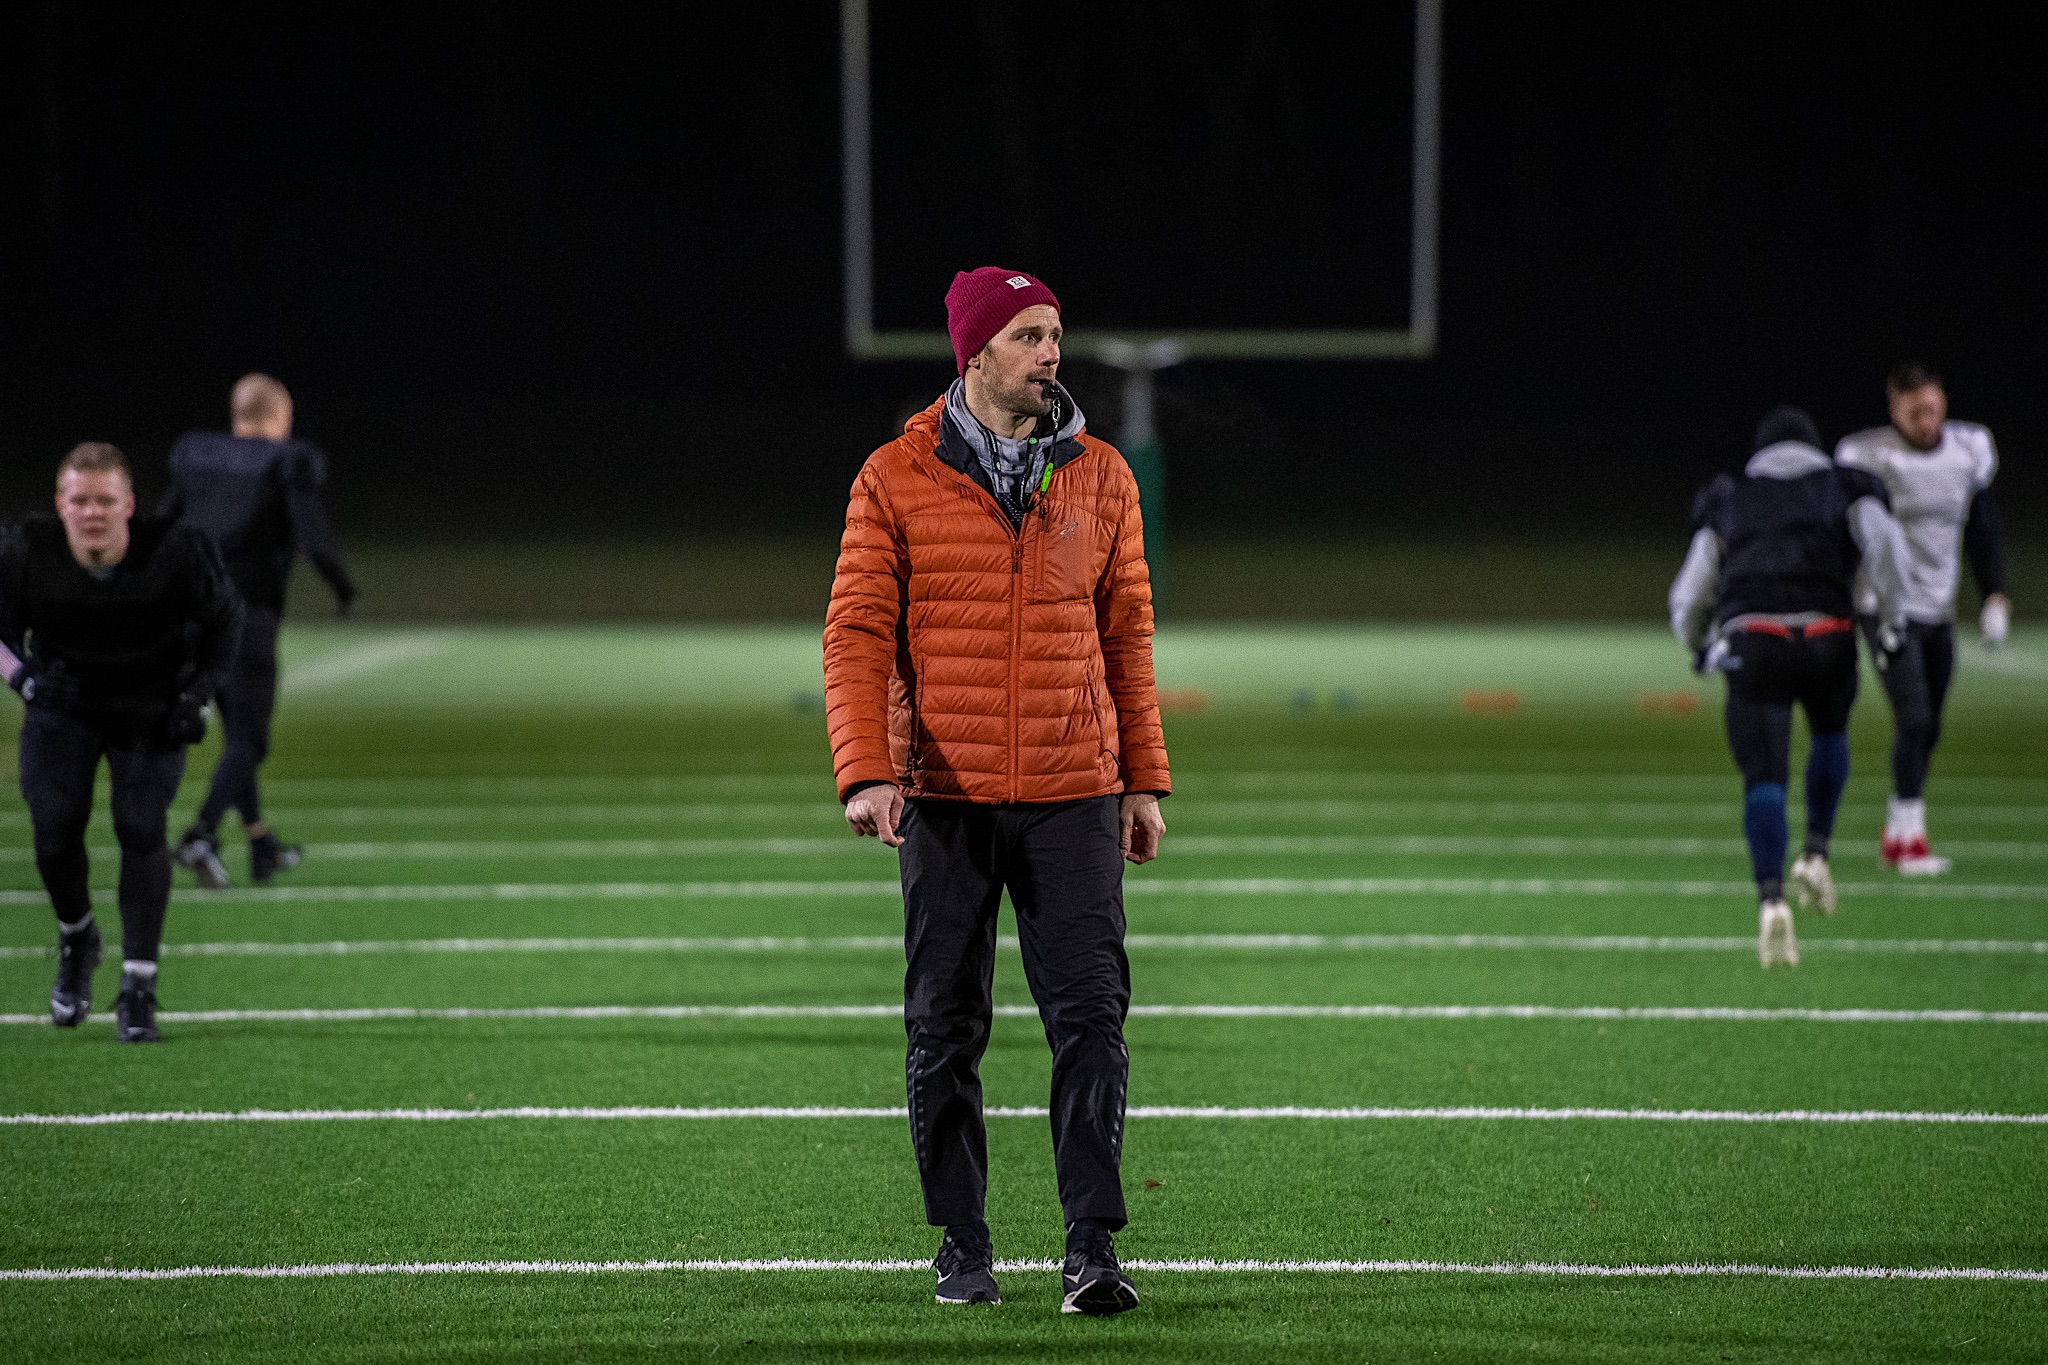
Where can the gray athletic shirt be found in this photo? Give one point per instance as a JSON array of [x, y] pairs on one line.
[[1931, 492]]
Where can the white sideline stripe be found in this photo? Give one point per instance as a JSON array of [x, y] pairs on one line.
[[1624, 1013], [1136, 886], [1154, 1111], [1204, 1265], [349, 664], [1194, 845], [1605, 943]]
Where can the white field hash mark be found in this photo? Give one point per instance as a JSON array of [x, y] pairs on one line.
[[347, 665], [713, 1113], [1603, 1013], [1200, 1266], [860, 943], [1136, 886]]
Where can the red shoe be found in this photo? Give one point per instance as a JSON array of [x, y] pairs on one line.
[[1895, 847], [1911, 858]]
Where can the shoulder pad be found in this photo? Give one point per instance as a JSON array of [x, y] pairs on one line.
[[1707, 503]]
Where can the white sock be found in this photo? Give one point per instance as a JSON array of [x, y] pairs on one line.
[[135, 966], [1904, 819], [68, 929]]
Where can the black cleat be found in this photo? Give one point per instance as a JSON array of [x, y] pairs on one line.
[[135, 1010], [77, 955], [268, 857], [1095, 1284], [966, 1272], [199, 854]]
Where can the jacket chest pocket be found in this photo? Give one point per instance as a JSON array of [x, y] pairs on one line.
[[1070, 549]]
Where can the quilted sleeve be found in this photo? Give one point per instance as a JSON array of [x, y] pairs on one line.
[[861, 628], [1123, 621]]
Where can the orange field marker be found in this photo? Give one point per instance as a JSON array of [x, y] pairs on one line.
[[1481, 702]]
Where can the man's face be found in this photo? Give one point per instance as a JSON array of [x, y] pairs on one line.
[[274, 425], [1919, 413], [1019, 366], [95, 505]]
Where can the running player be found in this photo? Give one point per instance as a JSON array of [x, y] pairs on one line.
[[116, 630], [1764, 598], [256, 491], [1939, 474]]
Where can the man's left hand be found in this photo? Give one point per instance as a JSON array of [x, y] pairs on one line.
[[1144, 826], [1995, 620], [186, 723]]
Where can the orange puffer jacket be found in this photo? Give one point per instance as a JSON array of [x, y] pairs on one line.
[[968, 659]]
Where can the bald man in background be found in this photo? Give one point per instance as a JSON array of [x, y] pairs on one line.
[[256, 491]]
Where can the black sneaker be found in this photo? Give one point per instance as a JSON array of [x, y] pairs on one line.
[[135, 1010], [1095, 1284], [200, 855], [268, 857], [966, 1272], [77, 955]]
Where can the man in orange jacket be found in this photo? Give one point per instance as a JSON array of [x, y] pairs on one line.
[[988, 687]]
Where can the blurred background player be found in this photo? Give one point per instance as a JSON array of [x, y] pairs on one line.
[[256, 492], [1939, 474], [1764, 597], [117, 630]]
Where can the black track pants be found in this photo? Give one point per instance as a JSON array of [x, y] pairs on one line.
[[245, 706], [1061, 866], [1916, 683], [60, 759]]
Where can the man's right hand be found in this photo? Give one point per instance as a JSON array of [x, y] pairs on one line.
[[877, 810], [50, 684]]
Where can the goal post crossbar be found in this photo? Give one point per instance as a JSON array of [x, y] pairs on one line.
[[1417, 341]]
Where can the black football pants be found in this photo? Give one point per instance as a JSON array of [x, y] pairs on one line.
[[60, 759], [1916, 683], [245, 704], [1767, 676], [1061, 866]]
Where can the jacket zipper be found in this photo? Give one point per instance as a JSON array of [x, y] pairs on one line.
[[1016, 600], [1016, 648]]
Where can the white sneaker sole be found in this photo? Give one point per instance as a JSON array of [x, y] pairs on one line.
[[1933, 865], [207, 869], [1814, 886], [1775, 944]]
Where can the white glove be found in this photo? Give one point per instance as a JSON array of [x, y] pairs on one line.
[[1995, 621]]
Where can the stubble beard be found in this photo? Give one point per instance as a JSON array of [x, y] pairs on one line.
[[1027, 399]]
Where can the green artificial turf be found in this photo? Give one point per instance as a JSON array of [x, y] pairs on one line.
[[669, 786]]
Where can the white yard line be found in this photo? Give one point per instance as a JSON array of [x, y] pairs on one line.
[[845, 845], [1192, 1266], [1603, 1013], [1371, 814], [1136, 886], [711, 1113], [347, 665], [889, 943]]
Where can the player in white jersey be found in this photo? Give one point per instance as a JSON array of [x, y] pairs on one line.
[[1939, 476]]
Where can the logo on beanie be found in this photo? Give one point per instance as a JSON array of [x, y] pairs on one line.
[[1018, 282]]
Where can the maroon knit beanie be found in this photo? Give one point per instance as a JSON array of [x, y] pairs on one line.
[[982, 301]]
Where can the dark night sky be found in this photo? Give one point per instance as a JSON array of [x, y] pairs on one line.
[[521, 266]]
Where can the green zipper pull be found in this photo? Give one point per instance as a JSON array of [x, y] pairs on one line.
[[1045, 481]]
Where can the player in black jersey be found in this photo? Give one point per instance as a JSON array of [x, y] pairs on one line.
[[116, 630], [256, 492], [1765, 598]]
